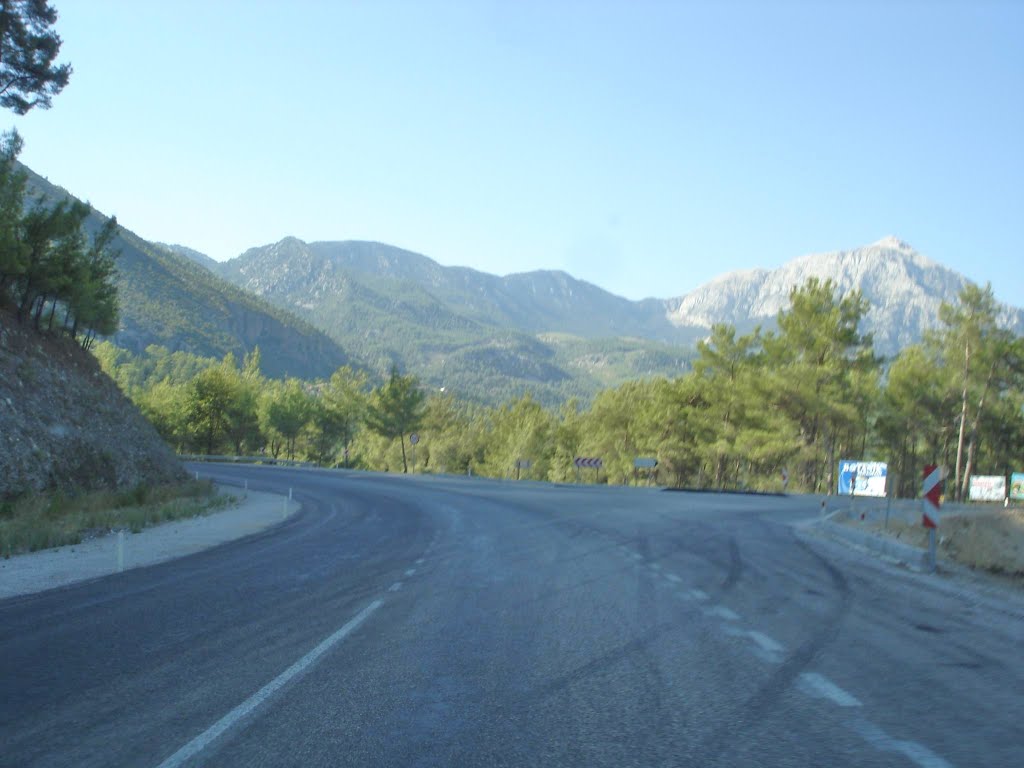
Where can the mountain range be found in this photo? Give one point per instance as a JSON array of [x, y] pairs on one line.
[[169, 300], [312, 307], [385, 304]]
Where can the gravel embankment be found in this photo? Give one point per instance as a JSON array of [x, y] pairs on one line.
[[38, 571]]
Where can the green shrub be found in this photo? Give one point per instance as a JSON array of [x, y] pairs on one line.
[[56, 519]]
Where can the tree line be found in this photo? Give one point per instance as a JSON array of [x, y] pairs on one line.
[[52, 274], [795, 399]]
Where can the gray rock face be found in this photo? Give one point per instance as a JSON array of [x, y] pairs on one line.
[[64, 425], [904, 288]]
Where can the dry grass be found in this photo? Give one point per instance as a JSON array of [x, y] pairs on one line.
[[992, 541], [54, 520]]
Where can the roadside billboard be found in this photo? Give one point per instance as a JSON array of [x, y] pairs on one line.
[[988, 487], [1017, 486], [862, 478]]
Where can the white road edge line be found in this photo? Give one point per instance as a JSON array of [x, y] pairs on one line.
[[203, 740], [823, 688]]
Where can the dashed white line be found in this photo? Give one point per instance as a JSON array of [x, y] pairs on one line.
[[200, 742], [697, 594], [410, 572], [766, 643], [880, 740], [722, 612], [767, 648], [823, 688], [672, 577], [420, 561], [395, 587], [655, 566]]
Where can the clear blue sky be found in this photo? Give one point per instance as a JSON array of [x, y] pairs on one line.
[[643, 146]]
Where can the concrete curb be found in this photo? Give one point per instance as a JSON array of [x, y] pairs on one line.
[[97, 558], [914, 558]]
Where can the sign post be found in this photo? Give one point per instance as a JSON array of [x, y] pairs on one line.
[[522, 464], [646, 463], [931, 491], [586, 461], [413, 439]]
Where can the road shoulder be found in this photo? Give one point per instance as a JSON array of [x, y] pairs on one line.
[[875, 553], [38, 571]]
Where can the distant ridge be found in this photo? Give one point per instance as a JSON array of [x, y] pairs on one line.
[[327, 282], [312, 307], [169, 300], [905, 290]]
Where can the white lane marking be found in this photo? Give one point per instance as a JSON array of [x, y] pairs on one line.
[[767, 649], [656, 566], [395, 587], [766, 643], [410, 572], [722, 612], [880, 740], [420, 561], [823, 688], [698, 594], [674, 578], [636, 555], [200, 742]]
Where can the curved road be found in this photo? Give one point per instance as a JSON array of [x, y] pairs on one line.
[[443, 621]]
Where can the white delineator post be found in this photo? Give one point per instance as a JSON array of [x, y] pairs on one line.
[[120, 551], [931, 492]]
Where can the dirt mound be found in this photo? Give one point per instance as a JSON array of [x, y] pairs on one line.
[[64, 425]]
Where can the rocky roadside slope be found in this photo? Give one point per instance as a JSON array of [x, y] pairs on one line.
[[64, 425]]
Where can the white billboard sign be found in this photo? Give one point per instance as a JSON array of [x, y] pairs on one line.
[[988, 487]]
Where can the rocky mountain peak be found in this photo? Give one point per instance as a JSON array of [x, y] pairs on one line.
[[904, 288], [893, 243]]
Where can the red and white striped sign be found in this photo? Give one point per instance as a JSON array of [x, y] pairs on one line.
[[931, 489], [584, 461]]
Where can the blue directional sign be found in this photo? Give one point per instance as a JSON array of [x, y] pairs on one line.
[[862, 478]]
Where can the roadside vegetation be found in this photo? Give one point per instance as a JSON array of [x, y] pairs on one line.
[[42, 521], [989, 539], [52, 273], [797, 399]]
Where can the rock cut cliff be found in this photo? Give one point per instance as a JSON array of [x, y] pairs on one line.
[[65, 425]]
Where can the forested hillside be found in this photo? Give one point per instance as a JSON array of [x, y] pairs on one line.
[[167, 299], [480, 335], [797, 399]]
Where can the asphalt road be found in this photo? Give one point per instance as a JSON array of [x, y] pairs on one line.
[[446, 621]]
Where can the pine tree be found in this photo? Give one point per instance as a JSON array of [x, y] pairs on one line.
[[29, 76], [396, 409]]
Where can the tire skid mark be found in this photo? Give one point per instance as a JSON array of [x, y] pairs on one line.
[[787, 674]]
